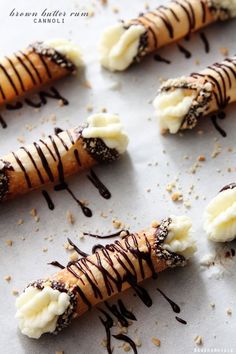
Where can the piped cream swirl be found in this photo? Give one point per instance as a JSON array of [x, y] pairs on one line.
[[220, 216], [107, 127], [119, 46], [38, 310], [171, 108], [179, 239]]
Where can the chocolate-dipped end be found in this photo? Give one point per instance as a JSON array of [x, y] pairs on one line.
[[202, 93], [172, 259], [52, 54], [4, 180], [221, 10]]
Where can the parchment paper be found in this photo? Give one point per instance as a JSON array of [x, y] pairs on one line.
[[137, 182]]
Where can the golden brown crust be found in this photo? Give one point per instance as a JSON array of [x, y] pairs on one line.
[[30, 69], [169, 23], [49, 160], [112, 269]]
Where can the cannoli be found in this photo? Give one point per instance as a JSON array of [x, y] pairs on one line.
[[101, 139], [181, 102], [50, 304], [127, 42], [219, 215], [39, 64]]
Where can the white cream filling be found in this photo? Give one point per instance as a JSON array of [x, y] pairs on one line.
[[108, 128], [70, 50], [230, 5], [179, 239], [119, 46], [38, 310], [171, 107], [220, 217]]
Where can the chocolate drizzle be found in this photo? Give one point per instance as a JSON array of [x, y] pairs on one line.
[[113, 280], [185, 51], [180, 320], [125, 312], [205, 42], [214, 120], [173, 305], [48, 200], [170, 20], [157, 57], [107, 323], [43, 95], [3, 123], [127, 339], [23, 64], [228, 186], [106, 236], [52, 93], [103, 191]]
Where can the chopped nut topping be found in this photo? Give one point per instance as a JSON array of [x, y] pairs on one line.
[[156, 341]]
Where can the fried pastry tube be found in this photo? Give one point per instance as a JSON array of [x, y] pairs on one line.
[[49, 305], [129, 41], [101, 139], [219, 215], [181, 102], [37, 65]]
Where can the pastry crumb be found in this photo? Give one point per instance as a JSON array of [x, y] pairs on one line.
[[224, 51], [15, 292], [229, 311], [70, 217], [138, 342], [74, 256], [212, 304], [20, 222], [61, 352], [201, 158], [116, 224], [7, 278], [9, 243], [126, 347], [177, 196], [198, 340], [156, 341], [33, 212]]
